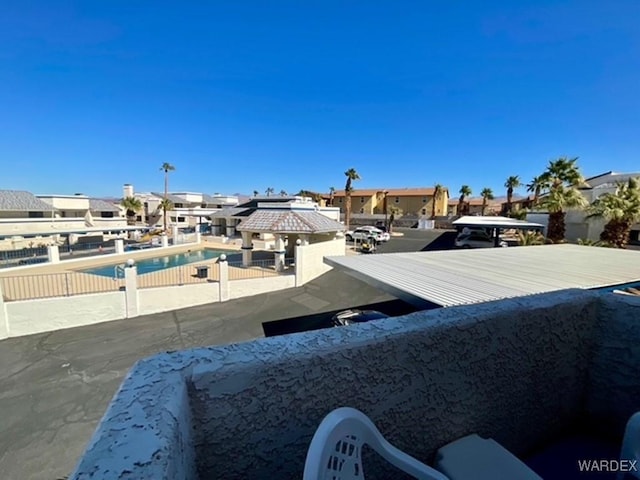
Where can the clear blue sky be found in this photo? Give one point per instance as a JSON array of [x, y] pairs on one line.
[[248, 95]]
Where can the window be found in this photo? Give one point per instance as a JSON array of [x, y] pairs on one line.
[[178, 205], [139, 218], [36, 214], [181, 219], [362, 210], [361, 199], [424, 211], [397, 200], [424, 199], [106, 214], [340, 200]]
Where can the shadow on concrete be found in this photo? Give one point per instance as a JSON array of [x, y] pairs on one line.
[[393, 308], [445, 241]]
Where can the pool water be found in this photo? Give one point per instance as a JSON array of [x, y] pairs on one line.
[[149, 265]]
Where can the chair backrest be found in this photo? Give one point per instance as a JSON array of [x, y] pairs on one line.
[[335, 452], [630, 451]]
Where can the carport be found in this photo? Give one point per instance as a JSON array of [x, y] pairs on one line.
[[459, 277], [496, 224]]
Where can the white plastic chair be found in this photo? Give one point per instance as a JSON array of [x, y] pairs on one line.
[[336, 448], [631, 446]]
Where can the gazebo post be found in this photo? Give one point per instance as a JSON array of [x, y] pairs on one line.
[[279, 252], [247, 249]]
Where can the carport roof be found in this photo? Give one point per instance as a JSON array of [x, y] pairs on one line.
[[459, 277], [288, 221], [494, 221]]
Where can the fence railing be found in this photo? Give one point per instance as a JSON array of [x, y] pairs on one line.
[[184, 275], [25, 256], [259, 269], [29, 287], [84, 249]]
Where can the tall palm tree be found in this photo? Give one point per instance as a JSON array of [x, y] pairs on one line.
[[165, 205], [352, 176], [332, 192], [465, 192], [529, 238], [269, 191], [537, 186], [393, 213], [564, 178], [132, 205], [255, 193], [283, 193], [511, 184], [621, 209], [438, 190], [487, 194], [166, 168]]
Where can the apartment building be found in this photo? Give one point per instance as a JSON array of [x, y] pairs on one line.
[[418, 202]]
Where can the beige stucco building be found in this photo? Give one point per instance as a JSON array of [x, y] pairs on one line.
[[411, 201]]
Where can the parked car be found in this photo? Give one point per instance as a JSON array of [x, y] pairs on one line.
[[349, 317], [365, 233], [477, 240], [382, 232]]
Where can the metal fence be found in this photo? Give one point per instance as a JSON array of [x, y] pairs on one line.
[[84, 250], [193, 273], [259, 269], [25, 256], [29, 287]]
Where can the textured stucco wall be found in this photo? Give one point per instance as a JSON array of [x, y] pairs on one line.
[[254, 286], [163, 299], [614, 393], [310, 259], [514, 370], [47, 314]]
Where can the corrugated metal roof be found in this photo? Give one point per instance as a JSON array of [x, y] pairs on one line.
[[459, 277], [280, 221], [228, 212], [22, 201]]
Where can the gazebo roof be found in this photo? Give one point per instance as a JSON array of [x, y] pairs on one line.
[[279, 221]]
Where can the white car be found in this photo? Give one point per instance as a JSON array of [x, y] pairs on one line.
[[384, 235], [364, 233], [477, 240]]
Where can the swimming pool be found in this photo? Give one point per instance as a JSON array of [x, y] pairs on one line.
[[149, 265]]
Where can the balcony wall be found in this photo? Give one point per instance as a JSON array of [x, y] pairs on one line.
[[520, 371]]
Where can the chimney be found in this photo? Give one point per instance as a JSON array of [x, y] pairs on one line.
[[127, 190]]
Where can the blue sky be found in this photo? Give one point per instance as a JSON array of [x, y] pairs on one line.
[[289, 94]]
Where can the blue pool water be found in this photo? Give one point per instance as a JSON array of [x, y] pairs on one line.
[[149, 265]]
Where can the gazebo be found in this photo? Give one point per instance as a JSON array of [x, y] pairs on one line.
[[307, 226]]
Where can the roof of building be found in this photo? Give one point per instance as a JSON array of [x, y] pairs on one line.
[[287, 221], [99, 205], [172, 198], [458, 277], [229, 212], [391, 192], [494, 221], [22, 201]]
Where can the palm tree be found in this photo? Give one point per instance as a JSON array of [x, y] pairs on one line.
[[621, 209], [564, 178], [166, 168], [511, 184], [393, 213], [332, 192], [438, 190], [537, 186], [529, 238], [133, 205], [587, 242], [255, 193], [487, 194], [352, 176], [269, 191], [165, 204], [465, 191], [283, 193]]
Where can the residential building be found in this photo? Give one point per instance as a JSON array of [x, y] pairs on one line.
[[418, 202], [474, 204]]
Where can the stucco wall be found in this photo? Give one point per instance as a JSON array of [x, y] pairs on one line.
[[162, 299], [47, 314], [310, 259], [515, 370], [254, 286]]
